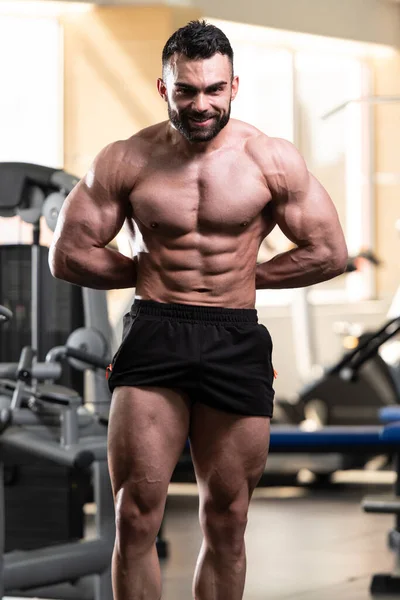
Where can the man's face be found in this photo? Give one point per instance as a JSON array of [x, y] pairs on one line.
[[199, 94]]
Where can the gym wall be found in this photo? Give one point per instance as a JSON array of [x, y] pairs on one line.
[[373, 21]]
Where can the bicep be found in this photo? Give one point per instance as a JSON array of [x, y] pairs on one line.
[[308, 216], [94, 211], [303, 209], [89, 219]]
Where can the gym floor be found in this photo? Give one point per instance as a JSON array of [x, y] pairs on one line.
[[302, 543]]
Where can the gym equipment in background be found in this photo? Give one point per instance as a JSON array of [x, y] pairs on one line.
[[5, 314], [390, 352], [53, 449], [48, 424], [26, 191], [388, 583], [353, 389], [315, 403], [58, 312], [46, 310], [357, 440]]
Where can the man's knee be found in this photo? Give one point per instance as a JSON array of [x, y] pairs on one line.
[[139, 511], [224, 526]]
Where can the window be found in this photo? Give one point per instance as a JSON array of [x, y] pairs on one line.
[[31, 95], [31, 118], [335, 145]]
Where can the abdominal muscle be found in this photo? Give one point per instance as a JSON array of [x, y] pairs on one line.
[[215, 272]]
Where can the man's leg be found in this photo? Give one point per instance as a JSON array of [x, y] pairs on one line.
[[147, 432], [229, 454]]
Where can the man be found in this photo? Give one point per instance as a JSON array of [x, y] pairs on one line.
[[204, 190]]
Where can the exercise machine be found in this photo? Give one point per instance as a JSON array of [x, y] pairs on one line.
[[49, 423], [5, 314], [353, 389], [48, 311], [43, 421]]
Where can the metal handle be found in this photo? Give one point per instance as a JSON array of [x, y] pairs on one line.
[[5, 314], [90, 359]]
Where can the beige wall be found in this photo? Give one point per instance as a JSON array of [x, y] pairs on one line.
[[112, 61], [387, 173], [375, 21]]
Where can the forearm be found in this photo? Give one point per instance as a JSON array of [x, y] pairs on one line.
[[98, 268], [300, 267]]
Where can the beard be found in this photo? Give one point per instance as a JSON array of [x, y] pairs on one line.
[[183, 123]]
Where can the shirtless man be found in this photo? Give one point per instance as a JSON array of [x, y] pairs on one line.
[[204, 190]]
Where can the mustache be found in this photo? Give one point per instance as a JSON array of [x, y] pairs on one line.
[[199, 116]]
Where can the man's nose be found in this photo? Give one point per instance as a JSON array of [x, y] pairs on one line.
[[201, 103]]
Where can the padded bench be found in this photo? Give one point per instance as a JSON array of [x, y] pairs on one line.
[[286, 438]]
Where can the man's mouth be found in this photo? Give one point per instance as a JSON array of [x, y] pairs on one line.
[[201, 121]]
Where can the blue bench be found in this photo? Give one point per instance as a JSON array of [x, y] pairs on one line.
[[287, 438]]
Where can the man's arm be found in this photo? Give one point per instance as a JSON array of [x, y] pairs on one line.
[[90, 218], [305, 213]]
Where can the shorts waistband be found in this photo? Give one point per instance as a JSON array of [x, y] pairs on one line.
[[191, 312]]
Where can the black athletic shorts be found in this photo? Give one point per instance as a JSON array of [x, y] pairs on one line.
[[218, 356]]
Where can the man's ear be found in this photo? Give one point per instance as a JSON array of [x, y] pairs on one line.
[[162, 89], [235, 87]]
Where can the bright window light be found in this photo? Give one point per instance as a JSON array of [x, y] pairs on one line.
[[46, 8]]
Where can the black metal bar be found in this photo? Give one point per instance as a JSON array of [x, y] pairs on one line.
[[367, 348], [35, 288]]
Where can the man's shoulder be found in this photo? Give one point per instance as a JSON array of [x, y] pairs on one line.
[[140, 142], [269, 151], [128, 156], [278, 159], [256, 140], [151, 134], [244, 130]]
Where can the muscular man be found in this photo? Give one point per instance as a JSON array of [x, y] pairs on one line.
[[204, 190]]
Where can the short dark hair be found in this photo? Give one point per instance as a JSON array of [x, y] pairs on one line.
[[197, 39]]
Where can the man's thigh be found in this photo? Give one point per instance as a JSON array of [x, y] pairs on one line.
[[147, 431], [229, 452]]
